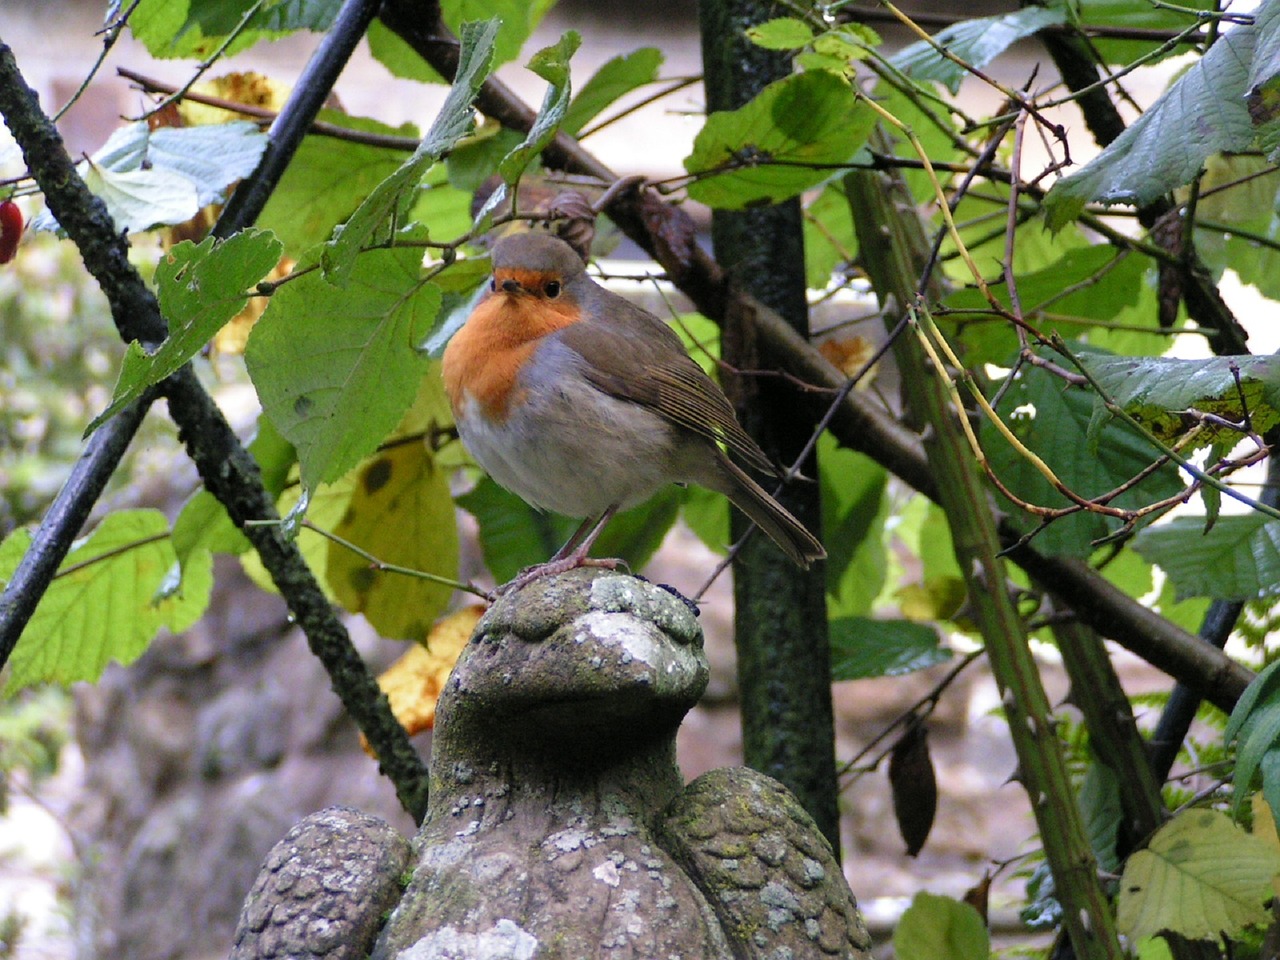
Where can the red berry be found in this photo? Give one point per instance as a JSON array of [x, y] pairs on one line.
[[10, 230]]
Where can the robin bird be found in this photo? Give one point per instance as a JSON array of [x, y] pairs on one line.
[[581, 403]]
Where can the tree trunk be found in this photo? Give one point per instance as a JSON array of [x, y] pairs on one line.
[[784, 662]]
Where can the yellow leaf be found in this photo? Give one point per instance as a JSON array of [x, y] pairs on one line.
[[1264, 824], [402, 513], [413, 683], [249, 88], [431, 418], [938, 598], [1201, 877]]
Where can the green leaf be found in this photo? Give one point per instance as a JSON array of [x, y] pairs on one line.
[[458, 304], [1103, 813], [829, 237], [517, 19], [1239, 559], [939, 144], [1262, 689], [782, 142], [839, 50], [212, 156], [976, 42], [1134, 575], [476, 159], [937, 551], [862, 647], [636, 534], [200, 288], [327, 180], [1139, 14], [1270, 767], [198, 28], [1188, 614], [183, 596], [1083, 284], [336, 368], [151, 177], [382, 207], [1260, 736], [107, 602], [1153, 948], [400, 59], [855, 506], [327, 504], [513, 535], [219, 18], [1263, 97], [1243, 233], [1056, 423], [940, 928], [203, 526], [707, 515], [781, 33], [138, 199], [614, 79], [1201, 877], [552, 65], [441, 208], [156, 23], [1202, 113], [1157, 390]]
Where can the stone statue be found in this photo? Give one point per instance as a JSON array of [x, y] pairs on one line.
[[558, 824]]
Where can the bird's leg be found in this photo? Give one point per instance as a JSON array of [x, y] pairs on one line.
[[569, 557], [586, 527]]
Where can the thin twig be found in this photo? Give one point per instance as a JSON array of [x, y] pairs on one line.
[[319, 127], [203, 67], [110, 34]]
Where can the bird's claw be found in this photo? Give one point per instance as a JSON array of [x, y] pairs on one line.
[[553, 567]]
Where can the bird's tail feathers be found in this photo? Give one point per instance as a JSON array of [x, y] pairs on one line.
[[781, 527]]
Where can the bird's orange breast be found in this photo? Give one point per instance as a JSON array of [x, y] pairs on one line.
[[483, 359]]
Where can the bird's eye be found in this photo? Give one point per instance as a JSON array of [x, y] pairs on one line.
[[552, 289], [493, 284]]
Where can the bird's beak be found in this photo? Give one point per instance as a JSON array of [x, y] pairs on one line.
[[510, 286]]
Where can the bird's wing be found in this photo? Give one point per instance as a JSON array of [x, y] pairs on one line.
[[668, 381]]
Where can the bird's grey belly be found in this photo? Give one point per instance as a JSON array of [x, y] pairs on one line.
[[576, 451]]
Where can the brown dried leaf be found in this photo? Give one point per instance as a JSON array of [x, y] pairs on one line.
[[914, 786], [848, 354]]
